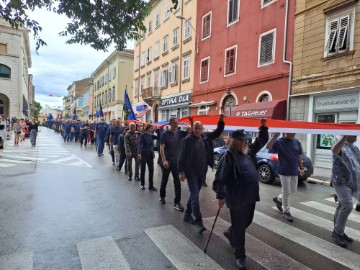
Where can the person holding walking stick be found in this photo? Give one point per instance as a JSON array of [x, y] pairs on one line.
[[237, 181]]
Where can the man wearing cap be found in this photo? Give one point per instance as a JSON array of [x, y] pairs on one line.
[[289, 151], [237, 181]]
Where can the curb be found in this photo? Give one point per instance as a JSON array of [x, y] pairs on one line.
[[317, 181]]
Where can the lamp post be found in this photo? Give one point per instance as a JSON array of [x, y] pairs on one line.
[[197, 35]]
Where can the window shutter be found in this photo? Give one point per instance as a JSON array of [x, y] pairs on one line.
[[266, 50], [230, 61], [170, 74], [204, 70], [206, 23], [343, 32], [330, 44]]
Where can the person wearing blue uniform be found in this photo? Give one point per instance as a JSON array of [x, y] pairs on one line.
[[77, 126], [115, 132], [67, 128], [85, 127], [100, 131]]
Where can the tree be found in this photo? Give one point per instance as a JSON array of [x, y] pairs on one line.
[[97, 23], [37, 110]]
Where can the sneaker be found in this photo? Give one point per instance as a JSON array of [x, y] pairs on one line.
[[162, 200], [153, 188], [278, 204], [189, 219], [287, 216], [178, 207], [241, 264], [227, 234], [142, 188], [340, 240], [200, 228]]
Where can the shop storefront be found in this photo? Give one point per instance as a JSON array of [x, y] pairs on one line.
[[175, 106]]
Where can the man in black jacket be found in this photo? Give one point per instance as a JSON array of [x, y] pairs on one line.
[[196, 154], [237, 181]]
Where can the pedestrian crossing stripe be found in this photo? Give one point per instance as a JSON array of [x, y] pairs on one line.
[[329, 209], [331, 199]]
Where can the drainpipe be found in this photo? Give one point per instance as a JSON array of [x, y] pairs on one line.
[[286, 61]]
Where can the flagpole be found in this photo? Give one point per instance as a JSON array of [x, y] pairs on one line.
[[122, 117]]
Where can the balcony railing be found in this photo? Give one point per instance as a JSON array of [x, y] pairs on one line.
[[150, 93]]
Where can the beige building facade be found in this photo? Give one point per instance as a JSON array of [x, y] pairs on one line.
[[16, 88], [164, 62], [111, 78], [326, 71]]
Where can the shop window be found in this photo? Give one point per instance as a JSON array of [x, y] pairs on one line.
[[325, 141]]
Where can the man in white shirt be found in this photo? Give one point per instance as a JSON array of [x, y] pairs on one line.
[[3, 128]]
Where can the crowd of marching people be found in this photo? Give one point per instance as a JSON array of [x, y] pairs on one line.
[[187, 153]]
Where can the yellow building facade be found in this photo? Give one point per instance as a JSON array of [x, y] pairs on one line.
[[164, 61], [326, 71]]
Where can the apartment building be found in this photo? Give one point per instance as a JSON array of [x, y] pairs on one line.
[[164, 61], [326, 77], [111, 78], [16, 88], [245, 53]]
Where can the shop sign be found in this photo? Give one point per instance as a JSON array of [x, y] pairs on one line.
[[327, 140], [252, 113], [175, 100], [337, 102]]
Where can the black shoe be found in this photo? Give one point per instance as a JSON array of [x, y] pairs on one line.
[[142, 188], [137, 178], [241, 264], [126, 173], [348, 239], [189, 219], [357, 208], [340, 240], [287, 216], [118, 169], [99, 155], [129, 178], [153, 188], [228, 235], [200, 228], [278, 204], [178, 207], [162, 200]]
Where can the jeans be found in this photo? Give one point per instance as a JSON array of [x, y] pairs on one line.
[[149, 160], [100, 144], [164, 180], [66, 136], [241, 218], [288, 186], [33, 135], [129, 163], [344, 208], [195, 183], [71, 136]]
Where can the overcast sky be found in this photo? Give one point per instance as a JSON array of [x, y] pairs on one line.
[[58, 65]]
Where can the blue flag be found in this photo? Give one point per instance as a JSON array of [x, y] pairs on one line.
[[74, 114], [127, 108], [101, 113]]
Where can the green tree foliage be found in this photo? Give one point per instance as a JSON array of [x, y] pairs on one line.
[[37, 110], [97, 23]]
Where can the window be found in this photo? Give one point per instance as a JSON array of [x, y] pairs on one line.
[[176, 36], [149, 28], [203, 110], [142, 83], [264, 98], [142, 58], [106, 76], [3, 48], [5, 71], [167, 11], [165, 43], [265, 3], [206, 26], [143, 35], [148, 80], [157, 49], [173, 70], [230, 61], [338, 35], [267, 48], [156, 82], [136, 86], [114, 72], [186, 68], [204, 70], [164, 77], [148, 56], [187, 29], [233, 11], [109, 95], [137, 62], [113, 94], [157, 20]]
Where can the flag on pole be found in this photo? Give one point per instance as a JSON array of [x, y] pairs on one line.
[[74, 114], [127, 108], [101, 113]]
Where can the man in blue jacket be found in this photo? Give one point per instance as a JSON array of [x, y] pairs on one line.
[[99, 133]]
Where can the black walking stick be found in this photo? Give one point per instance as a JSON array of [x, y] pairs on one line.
[[218, 212]]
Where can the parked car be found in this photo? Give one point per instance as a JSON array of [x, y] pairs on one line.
[[267, 163]]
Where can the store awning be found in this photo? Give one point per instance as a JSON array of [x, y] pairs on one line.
[[275, 109], [142, 113]]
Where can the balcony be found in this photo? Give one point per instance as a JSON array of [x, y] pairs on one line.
[[149, 95]]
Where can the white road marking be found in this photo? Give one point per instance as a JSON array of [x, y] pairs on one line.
[[101, 253], [62, 159], [183, 253]]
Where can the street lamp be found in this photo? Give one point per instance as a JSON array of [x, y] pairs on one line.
[[197, 35]]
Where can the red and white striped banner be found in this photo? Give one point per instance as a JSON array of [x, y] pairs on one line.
[[252, 124]]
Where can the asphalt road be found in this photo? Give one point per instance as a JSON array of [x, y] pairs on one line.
[[63, 207]]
